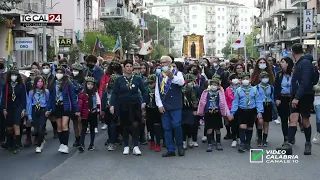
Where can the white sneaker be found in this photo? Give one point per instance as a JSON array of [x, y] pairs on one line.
[[316, 138], [126, 150], [190, 143], [234, 144], [60, 147], [195, 144], [238, 141], [204, 139], [88, 131], [104, 127], [136, 151], [184, 145], [277, 122], [38, 149], [41, 146], [65, 149], [96, 130]]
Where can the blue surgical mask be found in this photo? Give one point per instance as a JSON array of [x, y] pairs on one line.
[[165, 68], [158, 71], [265, 80]]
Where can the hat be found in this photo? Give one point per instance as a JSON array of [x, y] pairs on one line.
[[152, 78], [264, 74], [90, 79], [106, 62], [232, 76], [216, 76], [114, 61], [14, 70], [214, 81], [60, 68], [77, 66], [245, 74], [189, 78], [35, 72], [136, 66]]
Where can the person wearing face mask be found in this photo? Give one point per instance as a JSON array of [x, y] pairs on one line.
[[38, 98], [200, 79], [29, 86], [77, 80], [216, 69], [189, 112], [62, 105], [261, 65], [266, 95], [234, 84], [89, 104], [168, 94], [93, 70], [213, 107], [13, 104], [49, 78], [246, 104]]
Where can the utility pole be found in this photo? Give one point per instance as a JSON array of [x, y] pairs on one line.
[[44, 35], [169, 40], [301, 20], [157, 29], [315, 14]]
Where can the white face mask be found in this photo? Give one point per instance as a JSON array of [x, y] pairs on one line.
[[59, 76], [265, 80], [235, 81], [215, 64], [214, 88], [45, 71], [245, 82], [75, 73], [14, 78], [262, 66]]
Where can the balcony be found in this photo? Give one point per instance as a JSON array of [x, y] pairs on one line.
[[210, 29], [258, 4], [296, 3], [31, 6], [291, 34], [210, 12], [258, 22], [114, 13]]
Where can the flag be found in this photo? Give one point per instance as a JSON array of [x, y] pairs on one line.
[[239, 43], [99, 45], [146, 48], [118, 45]]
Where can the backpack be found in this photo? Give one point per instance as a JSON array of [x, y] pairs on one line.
[[315, 76]]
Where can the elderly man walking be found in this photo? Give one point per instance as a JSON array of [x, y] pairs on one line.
[[168, 94]]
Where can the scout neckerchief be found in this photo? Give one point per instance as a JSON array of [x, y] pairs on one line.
[[234, 88], [38, 91], [58, 91], [151, 96], [213, 98], [288, 80], [265, 88], [130, 85], [13, 85], [185, 99], [165, 81], [247, 92]]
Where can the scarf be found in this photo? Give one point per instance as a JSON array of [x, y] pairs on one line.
[[165, 81]]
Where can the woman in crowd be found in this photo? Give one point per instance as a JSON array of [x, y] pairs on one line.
[[38, 98], [261, 65], [62, 104], [127, 93], [13, 103], [282, 93]]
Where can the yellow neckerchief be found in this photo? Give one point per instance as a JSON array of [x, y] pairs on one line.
[[164, 80]]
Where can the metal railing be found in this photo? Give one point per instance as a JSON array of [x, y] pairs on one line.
[[291, 33], [114, 13]]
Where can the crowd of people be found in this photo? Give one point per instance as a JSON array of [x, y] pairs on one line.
[[161, 101]]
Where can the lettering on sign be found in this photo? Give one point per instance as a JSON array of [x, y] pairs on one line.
[[24, 43], [65, 42], [308, 20]]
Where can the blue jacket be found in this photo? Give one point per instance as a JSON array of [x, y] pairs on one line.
[[69, 98], [96, 73], [301, 82], [32, 101]]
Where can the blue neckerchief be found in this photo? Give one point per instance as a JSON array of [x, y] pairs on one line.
[[169, 81], [13, 83]]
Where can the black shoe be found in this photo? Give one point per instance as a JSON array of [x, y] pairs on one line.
[[81, 149], [4, 145], [265, 143], [293, 141], [248, 147], [143, 141], [181, 151], [307, 148], [76, 143], [55, 135], [228, 136], [168, 154], [287, 147], [242, 148], [91, 148], [259, 144]]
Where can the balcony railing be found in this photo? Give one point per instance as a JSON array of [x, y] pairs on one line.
[[27, 6], [258, 4], [297, 2], [106, 13], [291, 33]]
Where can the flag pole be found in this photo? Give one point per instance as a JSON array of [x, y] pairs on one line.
[[245, 58], [95, 44]]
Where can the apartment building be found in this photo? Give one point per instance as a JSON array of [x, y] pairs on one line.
[[217, 22], [280, 25]]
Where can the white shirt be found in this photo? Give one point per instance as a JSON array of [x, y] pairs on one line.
[[177, 79]]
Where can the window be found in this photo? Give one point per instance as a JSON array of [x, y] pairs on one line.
[[245, 27], [194, 17], [194, 7], [78, 8], [218, 25], [194, 25], [219, 34], [218, 17], [222, 34], [222, 9], [222, 26], [245, 19], [218, 9], [222, 17]]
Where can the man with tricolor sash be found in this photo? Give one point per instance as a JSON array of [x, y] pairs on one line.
[[168, 94]]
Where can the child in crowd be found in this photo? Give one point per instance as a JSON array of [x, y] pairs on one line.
[[247, 104], [213, 106]]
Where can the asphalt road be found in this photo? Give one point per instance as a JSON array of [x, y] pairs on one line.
[[197, 164]]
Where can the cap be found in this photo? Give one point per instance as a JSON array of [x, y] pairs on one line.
[[214, 81], [136, 66], [264, 74], [245, 74], [90, 79], [152, 78], [14, 70], [77, 66], [216, 76], [189, 78]]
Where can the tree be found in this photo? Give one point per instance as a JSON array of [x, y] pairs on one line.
[[90, 38], [250, 38], [7, 5], [158, 51], [74, 53], [128, 31], [164, 28]]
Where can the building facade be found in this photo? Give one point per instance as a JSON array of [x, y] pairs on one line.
[[217, 22]]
